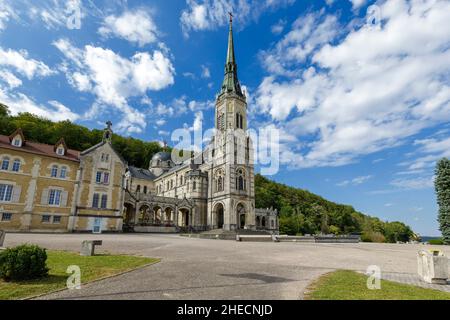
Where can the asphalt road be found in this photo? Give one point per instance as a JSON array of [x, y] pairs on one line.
[[218, 269]]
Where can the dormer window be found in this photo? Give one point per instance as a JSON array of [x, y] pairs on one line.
[[17, 142], [60, 147], [17, 139]]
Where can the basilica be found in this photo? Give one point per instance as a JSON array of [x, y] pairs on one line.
[[51, 188]]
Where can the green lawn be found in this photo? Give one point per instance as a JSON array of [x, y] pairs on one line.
[[350, 285], [92, 268]]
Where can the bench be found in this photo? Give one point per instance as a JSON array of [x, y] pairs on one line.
[[88, 247]]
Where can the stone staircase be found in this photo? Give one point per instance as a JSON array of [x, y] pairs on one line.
[[224, 234]]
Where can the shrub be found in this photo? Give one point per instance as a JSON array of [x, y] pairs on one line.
[[24, 262], [372, 236], [436, 241]]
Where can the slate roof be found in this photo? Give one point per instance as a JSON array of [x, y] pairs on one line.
[[140, 173], [40, 149]]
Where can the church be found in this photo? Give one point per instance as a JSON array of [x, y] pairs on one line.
[[50, 188]]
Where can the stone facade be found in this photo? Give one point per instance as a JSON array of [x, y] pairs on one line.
[[50, 188], [215, 189]]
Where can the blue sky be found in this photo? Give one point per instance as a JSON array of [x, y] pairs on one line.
[[358, 89]]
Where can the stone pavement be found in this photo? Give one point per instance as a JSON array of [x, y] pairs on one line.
[[414, 280], [204, 269]]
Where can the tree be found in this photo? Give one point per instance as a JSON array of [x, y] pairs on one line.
[[442, 186], [4, 110]]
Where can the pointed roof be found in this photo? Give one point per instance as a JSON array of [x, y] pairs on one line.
[[17, 132], [60, 142], [231, 82]]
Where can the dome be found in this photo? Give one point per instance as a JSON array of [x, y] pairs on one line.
[[162, 156]]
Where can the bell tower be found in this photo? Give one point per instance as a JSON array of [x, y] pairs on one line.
[[231, 201]]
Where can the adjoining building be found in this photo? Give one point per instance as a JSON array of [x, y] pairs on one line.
[[52, 188]]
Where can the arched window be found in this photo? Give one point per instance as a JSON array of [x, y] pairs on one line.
[[5, 163], [63, 172], [194, 186], [239, 121], [16, 165], [54, 172], [138, 188], [145, 189], [241, 182]]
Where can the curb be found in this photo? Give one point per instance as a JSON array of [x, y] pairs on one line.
[[93, 281]]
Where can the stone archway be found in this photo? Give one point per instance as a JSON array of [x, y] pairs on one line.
[[219, 212], [145, 217], [168, 215], [157, 214], [240, 216], [184, 220], [128, 213]]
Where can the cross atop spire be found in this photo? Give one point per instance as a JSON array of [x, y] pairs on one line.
[[230, 82]]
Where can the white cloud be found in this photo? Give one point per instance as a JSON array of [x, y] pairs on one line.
[[307, 35], [113, 79], [210, 14], [363, 92], [429, 150], [19, 102], [10, 79], [278, 27], [355, 181], [160, 122], [163, 133], [57, 13], [6, 14], [358, 3], [19, 61], [205, 72], [413, 183], [135, 26]]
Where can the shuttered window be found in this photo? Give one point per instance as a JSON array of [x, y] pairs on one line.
[[6, 191], [104, 201], [95, 200], [54, 198]]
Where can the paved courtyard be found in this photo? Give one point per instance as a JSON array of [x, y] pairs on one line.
[[194, 268]]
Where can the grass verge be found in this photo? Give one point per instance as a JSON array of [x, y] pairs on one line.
[[350, 285], [92, 268]]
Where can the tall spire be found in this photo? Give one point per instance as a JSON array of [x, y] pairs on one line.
[[230, 82]]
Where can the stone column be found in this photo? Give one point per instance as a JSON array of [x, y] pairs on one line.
[[136, 214]]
